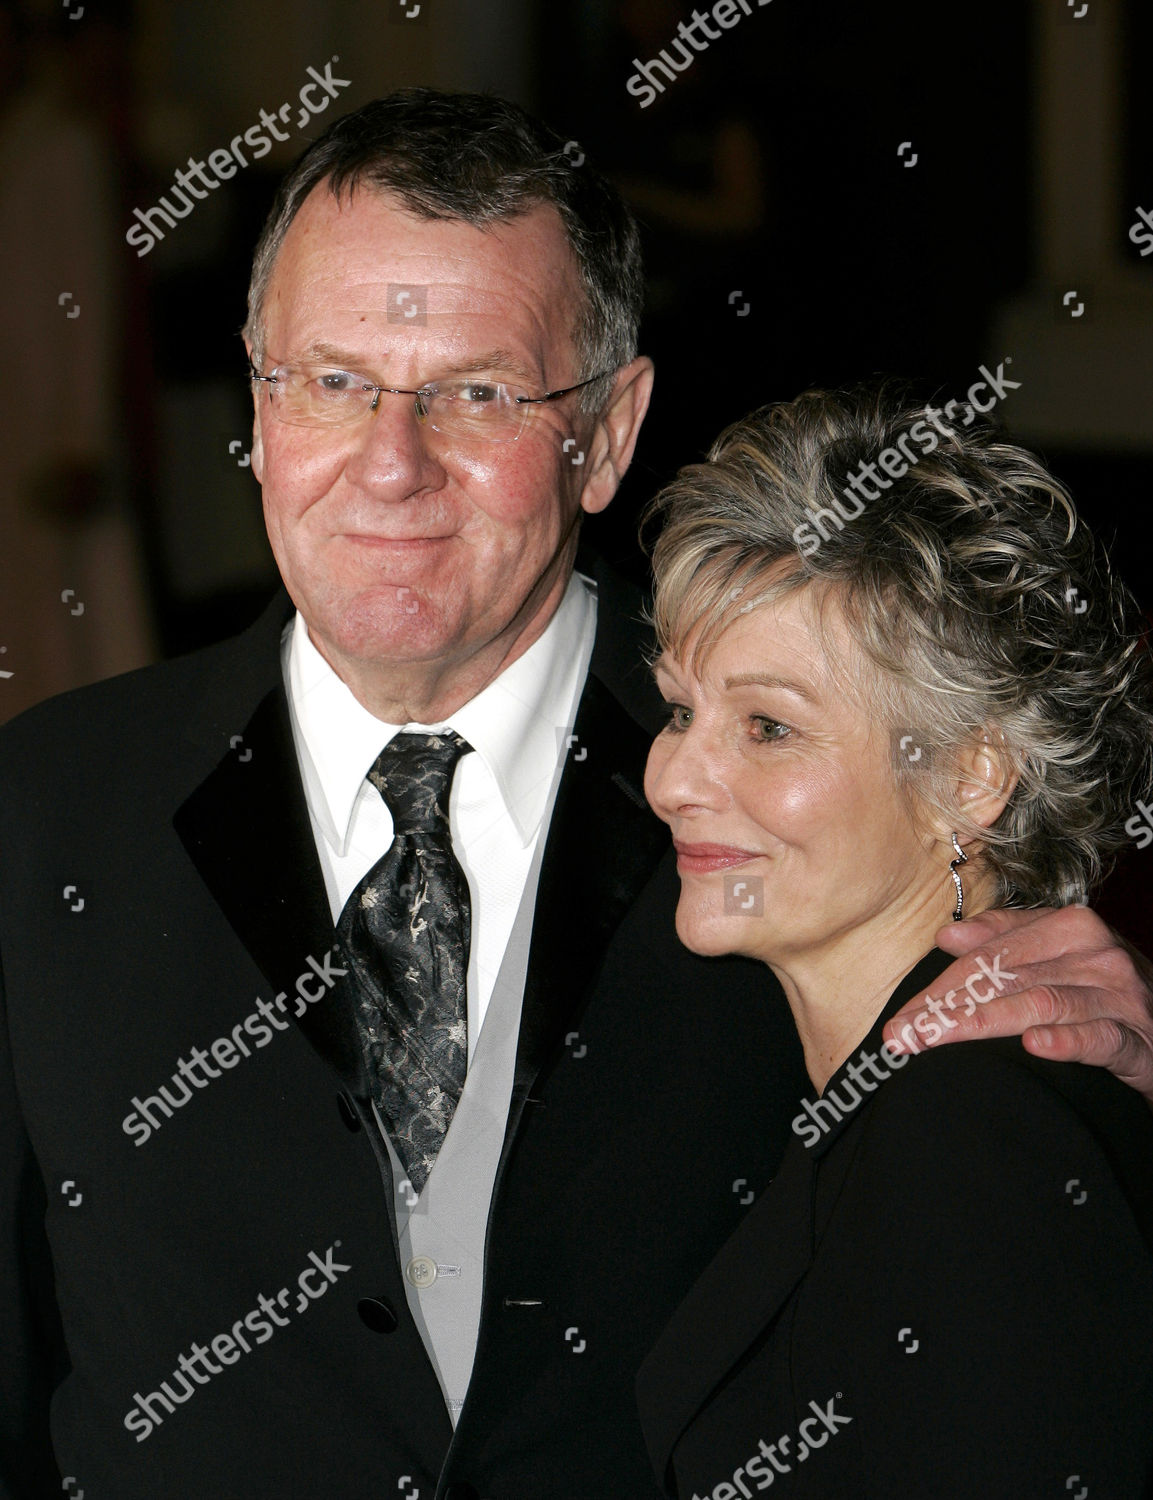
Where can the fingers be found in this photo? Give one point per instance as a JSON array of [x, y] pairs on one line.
[[962, 937], [1024, 937], [1061, 976], [946, 1014], [1069, 949], [984, 997], [1103, 1044], [1062, 1024]]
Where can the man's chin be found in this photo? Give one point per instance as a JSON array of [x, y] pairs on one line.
[[397, 624]]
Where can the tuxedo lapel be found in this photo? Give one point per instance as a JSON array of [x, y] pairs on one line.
[[246, 829], [729, 1306], [755, 1273], [603, 846], [603, 841]]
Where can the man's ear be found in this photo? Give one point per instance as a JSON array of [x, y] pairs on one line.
[[257, 459], [614, 434]]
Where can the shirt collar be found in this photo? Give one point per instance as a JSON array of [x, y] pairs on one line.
[[518, 724]]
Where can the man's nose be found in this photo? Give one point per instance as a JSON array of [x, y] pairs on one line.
[[394, 452]]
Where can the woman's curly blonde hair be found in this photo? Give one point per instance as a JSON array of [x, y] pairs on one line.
[[971, 584]]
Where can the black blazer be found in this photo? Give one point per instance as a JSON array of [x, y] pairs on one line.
[[949, 1292], [157, 877]]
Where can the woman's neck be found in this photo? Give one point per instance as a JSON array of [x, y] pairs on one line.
[[836, 990]]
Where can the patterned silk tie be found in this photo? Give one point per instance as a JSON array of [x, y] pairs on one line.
[[405, 930]]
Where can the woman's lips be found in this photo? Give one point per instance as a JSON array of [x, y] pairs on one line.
[[700, 859]]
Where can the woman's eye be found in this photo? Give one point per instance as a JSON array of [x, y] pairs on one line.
[[679, 718], [766, 729]]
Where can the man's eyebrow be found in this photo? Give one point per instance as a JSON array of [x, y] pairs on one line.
[[488, 359], [494, 359], [330, 354]]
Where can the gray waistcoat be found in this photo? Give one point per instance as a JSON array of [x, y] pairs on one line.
[[442, 1233]]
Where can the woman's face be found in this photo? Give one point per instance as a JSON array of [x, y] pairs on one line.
[[782, 799]]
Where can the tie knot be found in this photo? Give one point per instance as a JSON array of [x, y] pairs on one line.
[[413, 774]]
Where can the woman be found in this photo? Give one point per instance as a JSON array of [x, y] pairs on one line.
[[903, 685]]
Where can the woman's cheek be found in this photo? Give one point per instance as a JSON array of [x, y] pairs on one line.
[[798, 800]]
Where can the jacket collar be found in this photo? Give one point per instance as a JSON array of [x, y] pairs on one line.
[[246, 828], [844, 1092], [739, 1294], [751, 1278]]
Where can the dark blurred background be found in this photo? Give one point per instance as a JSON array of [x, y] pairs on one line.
[[791, 242]]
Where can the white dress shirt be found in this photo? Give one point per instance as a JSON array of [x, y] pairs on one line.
[[518, 727]]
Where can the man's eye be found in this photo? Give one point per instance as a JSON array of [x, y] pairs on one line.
[[337, 382], [475, 392]]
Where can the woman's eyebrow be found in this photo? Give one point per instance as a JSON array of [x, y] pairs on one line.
[[770, 680]]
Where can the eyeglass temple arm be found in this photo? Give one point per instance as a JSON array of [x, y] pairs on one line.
[[568, 390]]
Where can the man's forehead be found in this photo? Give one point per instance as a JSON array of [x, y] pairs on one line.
[[511, 282], [367, 233]]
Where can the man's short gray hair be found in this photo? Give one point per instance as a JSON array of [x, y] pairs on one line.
[[980, 597], [482, 161]]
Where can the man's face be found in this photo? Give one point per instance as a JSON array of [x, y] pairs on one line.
[[395, 542]]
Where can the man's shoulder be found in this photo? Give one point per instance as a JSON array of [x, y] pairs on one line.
[[154, 704], [624, 642]]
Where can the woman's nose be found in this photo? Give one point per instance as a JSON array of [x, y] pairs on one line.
[[682, 773]]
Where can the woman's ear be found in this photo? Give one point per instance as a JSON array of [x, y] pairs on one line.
[[985, 779]]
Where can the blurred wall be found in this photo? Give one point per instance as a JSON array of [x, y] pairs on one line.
[[827, 191]]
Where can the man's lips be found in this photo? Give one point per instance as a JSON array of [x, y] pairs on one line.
[[699, 859], [367, 540]]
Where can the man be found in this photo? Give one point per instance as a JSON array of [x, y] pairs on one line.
[[450, 1122]]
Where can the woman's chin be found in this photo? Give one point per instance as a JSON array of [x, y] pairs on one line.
[[711, 934]]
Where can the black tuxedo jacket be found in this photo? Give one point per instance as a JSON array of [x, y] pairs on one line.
[[159, 889], [946, 1293]]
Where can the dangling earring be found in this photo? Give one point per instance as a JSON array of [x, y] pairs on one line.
[[962, 859]]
